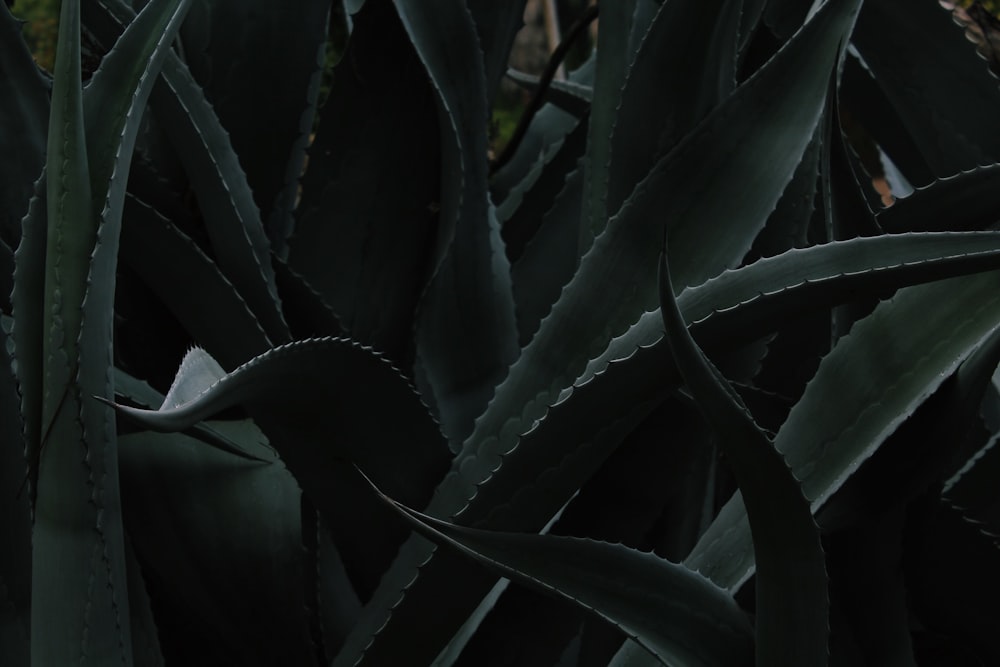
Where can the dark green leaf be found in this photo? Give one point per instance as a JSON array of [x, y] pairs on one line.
[[612, 67], [648, 598], [792, 606], [207, 527], [466, 330], [322, 404], [906, 348], [664, 96]]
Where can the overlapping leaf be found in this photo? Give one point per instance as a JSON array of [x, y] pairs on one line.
[[648, 598]]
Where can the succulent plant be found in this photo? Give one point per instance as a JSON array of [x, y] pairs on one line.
[[667, 382]]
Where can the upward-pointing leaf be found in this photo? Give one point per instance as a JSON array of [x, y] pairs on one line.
[[732, 193], [466, 333], [78, 570], [792, 603]]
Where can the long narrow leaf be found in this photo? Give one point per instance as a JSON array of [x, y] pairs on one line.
[[648, 598], [792, 602]]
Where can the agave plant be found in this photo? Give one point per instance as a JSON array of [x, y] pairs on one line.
[[666, 382]]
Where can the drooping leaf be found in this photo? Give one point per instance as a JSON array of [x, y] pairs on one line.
[[236, 438], [656, 606], [321, 403]]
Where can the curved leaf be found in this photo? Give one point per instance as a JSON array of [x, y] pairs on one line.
[[792, 607], [699, 175], [911, 344], [659, 596], [78, 571], [466, 331], [322, 404]]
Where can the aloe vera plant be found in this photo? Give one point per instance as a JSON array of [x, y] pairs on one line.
[[665, 383]]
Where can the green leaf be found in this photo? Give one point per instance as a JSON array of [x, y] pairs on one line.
[[792, 606], [648, 598], [872, 380], [232, 218], [522, 211], [27, 332], [663, 96], [613, 61], [549, 258], [466, 331], [211, 530], [78, 571], [236, 438], [322, 404], [729, 192]]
